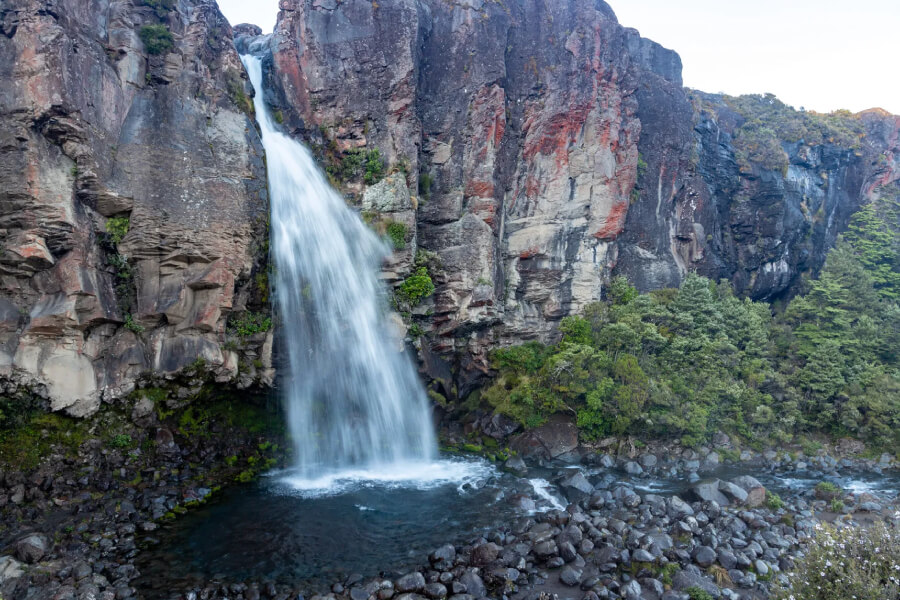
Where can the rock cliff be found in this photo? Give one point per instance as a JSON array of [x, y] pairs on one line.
[[133, 204], [522, 152], [548, 148]]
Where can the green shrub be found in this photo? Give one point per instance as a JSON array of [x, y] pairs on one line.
[[132, 325], [234, 85], [396, 232], [247, 323], [416, 287], [121, 440], [374, 167], [774, 501], [117, 228], [861, 562], [160, 7], [157, 39], [827, 490], [697, 593]]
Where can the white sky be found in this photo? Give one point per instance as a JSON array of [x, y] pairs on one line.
[[820, 54]]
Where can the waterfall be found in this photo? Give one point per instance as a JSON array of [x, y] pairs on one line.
[[354, 400]]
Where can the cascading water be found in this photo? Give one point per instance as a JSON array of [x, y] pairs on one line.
[[355, 405]]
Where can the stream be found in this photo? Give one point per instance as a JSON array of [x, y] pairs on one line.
[[273, 530]]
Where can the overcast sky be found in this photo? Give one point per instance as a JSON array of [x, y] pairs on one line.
[[820, 54]]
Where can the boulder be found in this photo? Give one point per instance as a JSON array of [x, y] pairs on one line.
[[708, 491], [32, 548], [412, 582], [756, 493], [555, 438], [576, 487]]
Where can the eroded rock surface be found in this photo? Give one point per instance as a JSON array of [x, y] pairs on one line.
[[548, 148], [95, 129]]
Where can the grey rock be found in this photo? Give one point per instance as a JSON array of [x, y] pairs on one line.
[[435, 591], [708, 491], [704, 556], [632, 468], [474, 584], [32, 548], [411, 582], [570, 576]]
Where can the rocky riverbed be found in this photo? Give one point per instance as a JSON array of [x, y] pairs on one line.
[[614, 523]]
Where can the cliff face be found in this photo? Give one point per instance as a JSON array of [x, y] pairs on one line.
[[551, 148], [132, 195], [719, 198], [524, 152], [516, 126]]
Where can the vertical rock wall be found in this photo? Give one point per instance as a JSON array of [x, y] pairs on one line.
[[95, 130]]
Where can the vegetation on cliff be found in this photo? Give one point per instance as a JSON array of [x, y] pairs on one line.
[[695, 360], [769, 122]]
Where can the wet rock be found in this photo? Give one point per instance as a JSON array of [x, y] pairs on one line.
[[516, 465], [576, 487], [412, 582], [557, 437], [436, 591], [358, 593], [567, 552], [632, 590], [474, 584], [691, 577], [678, 507], [32, 548], [632, 468], [484, 554], [443, 557], [10, 569]]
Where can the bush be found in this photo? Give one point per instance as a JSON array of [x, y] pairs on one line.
[[157, 39], [416, 287], [396, 232], [248, 323], [773, 500], [697, 593], [861, 562], [160, 7], [121, 440], [117, 228], [132, 325]]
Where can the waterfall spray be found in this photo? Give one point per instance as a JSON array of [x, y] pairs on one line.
[[354, 401]]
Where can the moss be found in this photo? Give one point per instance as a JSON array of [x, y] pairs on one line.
[[425, 183], [234, 85], [28, 444], [157, 39]]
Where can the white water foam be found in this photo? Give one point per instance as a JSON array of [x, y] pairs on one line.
[[356, 408], [419, 475], [542, 491]]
